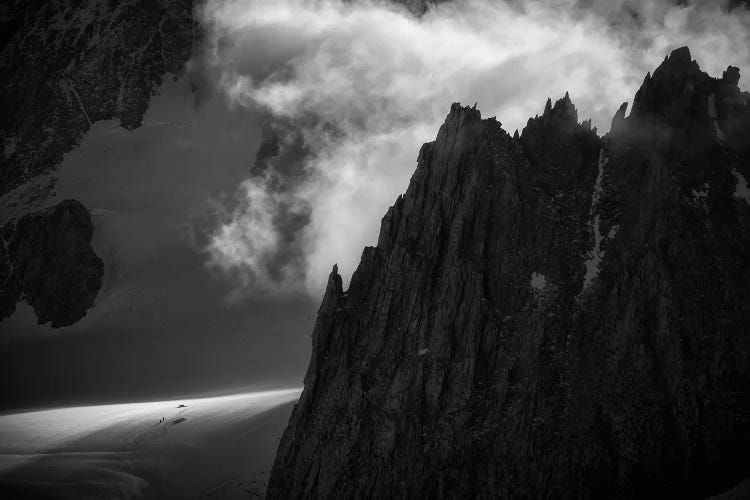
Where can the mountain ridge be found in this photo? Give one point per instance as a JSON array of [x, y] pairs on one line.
[[552, 315]]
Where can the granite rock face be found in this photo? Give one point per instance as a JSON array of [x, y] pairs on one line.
[[46, 258], [552, 315], [67, 64], [63, 66]]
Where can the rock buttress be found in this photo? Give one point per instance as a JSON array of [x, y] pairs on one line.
[[46, 258], [548, 316]]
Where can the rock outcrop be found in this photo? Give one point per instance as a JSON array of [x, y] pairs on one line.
[[555, 315], [66, 65], [46, 258], [63, 67]]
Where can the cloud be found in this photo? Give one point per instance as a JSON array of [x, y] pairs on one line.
[[358, 86], [248, 243]]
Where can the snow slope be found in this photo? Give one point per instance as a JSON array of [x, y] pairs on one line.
[[154, 193], [220, 447]]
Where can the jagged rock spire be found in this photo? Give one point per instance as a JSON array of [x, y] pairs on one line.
[[476, 354], [669, 92], [619, 119]]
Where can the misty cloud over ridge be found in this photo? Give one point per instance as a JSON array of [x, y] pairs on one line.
[[352, 89]]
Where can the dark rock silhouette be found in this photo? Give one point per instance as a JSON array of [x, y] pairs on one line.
[[46, 258], [549, 316]]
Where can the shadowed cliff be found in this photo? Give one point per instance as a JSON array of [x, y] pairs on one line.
[[47, 260], [550, 315]]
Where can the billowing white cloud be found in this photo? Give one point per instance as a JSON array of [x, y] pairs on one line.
[[367, 82], [247, 238]]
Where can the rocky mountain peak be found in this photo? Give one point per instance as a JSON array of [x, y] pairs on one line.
[[731, 76], [670, 95], [619, 119], [547, 315], [561, 150], [563, 114]]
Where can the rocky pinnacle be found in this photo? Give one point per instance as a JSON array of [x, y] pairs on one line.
[[551, 315]]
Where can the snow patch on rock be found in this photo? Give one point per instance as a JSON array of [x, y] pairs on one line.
[[596, 254], [700, 197], [10, 144], [69, 88], [741, 191], [538, 281], [702, 193], [715, 117]]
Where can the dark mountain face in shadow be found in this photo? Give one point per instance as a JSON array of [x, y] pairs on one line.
[[67, 65], [551, 314], [548, 315]]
